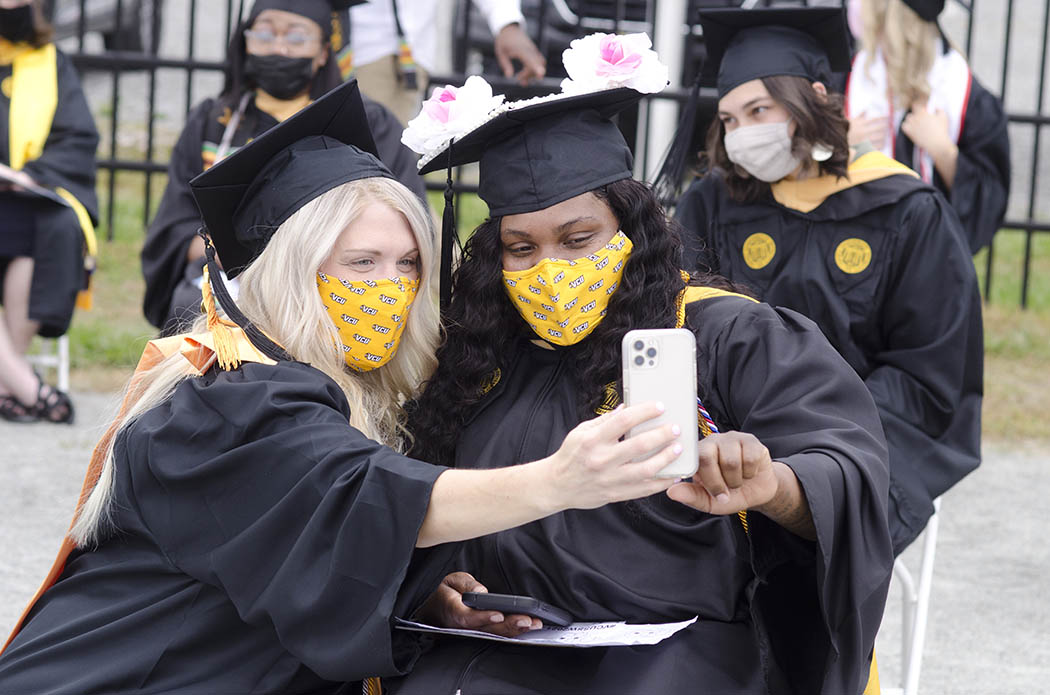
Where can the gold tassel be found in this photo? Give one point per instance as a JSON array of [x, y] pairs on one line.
[[225, 343]]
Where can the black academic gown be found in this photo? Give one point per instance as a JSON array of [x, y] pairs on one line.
[[259, 544], [164, 262], [67, 161], [777, 614], [909, 323], [982, 175]]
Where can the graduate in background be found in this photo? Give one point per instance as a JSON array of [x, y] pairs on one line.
[[779, 542], [47, 206], [847, 236], [278, 61], [247, 523], [911, 95]]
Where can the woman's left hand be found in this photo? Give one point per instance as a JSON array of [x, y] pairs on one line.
[[735, 473], [445, 608]]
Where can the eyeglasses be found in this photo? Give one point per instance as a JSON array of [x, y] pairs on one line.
[[294, 39]]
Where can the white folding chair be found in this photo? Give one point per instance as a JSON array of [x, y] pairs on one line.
[[915, 608], [53, 353]]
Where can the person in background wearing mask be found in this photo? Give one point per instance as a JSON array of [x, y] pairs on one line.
[[779, 542], [278, 62], [847, 236], [47, 205], [911, 95], [391, 46]]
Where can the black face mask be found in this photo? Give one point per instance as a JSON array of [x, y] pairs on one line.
[[282, 77], [16, 23]]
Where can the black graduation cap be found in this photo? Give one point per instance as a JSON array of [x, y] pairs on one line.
[[320, 11], [744, 45], [536, 154], [929, 10], [244, 198]]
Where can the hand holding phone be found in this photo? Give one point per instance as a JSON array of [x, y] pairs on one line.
[[659, 364], [524, 605]]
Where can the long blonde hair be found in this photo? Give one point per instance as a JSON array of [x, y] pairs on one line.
[[909, 46], [278, 293]]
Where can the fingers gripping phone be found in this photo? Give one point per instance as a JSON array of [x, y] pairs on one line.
[[659, 364], [524, 605]]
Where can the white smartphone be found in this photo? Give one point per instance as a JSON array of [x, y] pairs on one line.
[[659, 364]]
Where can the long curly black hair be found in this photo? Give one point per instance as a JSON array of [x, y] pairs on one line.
[[483, 327]]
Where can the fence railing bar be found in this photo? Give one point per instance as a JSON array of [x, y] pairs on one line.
[[1026, 225], [1033, 184], [229, 19], [115, 164], [190, 51], [114, 120], [151, 112], [1030, 119], [1006, 49], [81, 27], [129, 60], [969, 27], [459, 48]]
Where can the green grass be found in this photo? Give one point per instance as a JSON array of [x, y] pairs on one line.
[[107, 341], [1008, 269]]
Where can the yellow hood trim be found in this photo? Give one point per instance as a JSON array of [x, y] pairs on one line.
[[806, 195], [280, 109], [696, 294]]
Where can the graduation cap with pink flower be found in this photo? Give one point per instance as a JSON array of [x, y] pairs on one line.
[[538, 152]]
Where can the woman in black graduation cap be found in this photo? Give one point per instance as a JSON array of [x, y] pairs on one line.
[[47, 206], [234, 534], [911, 94], [779, 543], [847, 236], [279, 59]]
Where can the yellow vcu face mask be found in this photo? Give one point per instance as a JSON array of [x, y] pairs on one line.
[[370, 316], [562, 300]]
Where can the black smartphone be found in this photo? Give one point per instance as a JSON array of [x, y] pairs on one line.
[[523, 605]]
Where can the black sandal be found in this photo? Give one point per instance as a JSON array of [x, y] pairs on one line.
[[12, 410], [53, 405]]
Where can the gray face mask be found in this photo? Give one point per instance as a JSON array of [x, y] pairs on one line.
[[764, 151]]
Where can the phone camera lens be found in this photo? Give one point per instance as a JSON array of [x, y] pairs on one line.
[[638, 345], [651, 352], [639, 360]]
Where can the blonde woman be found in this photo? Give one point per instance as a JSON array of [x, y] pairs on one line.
[[235, 534], [912, 95]]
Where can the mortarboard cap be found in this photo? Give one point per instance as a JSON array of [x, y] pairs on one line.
[[929, 10], [744, 45], [539, 153], [244, 198], [320, 11]]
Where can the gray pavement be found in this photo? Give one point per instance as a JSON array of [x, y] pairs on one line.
[[989, 621]]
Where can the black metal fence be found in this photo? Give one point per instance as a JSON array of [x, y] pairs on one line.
[[146, 62]]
